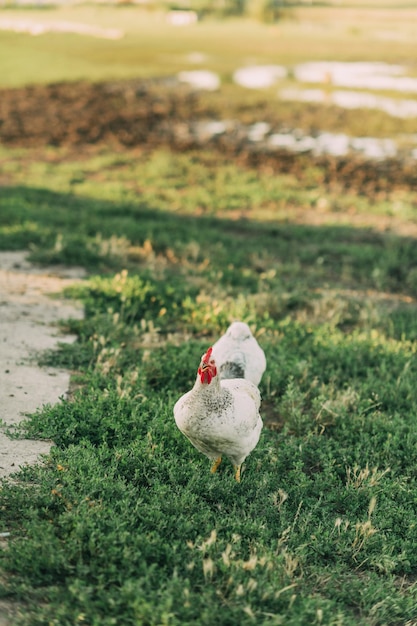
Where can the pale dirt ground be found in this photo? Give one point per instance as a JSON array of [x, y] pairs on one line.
[[30, 308]]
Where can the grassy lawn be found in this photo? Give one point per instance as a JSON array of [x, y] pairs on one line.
[[123, 523]]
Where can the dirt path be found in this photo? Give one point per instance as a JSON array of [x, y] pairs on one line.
[[28, 318], [28, 325]]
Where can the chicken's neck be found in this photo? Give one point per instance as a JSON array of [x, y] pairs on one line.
[[212, 397], [208, 389]]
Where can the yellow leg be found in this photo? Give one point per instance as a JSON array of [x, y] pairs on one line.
[[216, 465], [237, 474]]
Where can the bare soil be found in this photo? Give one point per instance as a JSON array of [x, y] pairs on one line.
[[139, 113]]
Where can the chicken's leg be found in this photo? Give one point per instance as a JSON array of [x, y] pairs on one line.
[[216, 465], [237, 474]]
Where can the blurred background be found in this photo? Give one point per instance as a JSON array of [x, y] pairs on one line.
[[315, 100], [332, 78]]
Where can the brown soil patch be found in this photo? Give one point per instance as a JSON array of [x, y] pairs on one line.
[[156, 113]]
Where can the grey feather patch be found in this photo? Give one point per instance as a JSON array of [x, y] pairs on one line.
[[231, 369]]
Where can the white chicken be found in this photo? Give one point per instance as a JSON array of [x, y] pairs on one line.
[[220, 417], [238, 354]]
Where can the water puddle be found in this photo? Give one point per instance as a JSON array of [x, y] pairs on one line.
[[294, 140], [259, 76], [334, 144], [353, 100], [377, 75], [200, 79], [358, 75], [330, 73]]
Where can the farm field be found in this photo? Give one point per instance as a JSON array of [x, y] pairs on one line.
[[107, 162], [132, 43]]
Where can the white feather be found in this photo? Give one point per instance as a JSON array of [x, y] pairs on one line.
[[238, 354], [221, 418]]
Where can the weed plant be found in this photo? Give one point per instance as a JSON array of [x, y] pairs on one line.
[[122, 523]]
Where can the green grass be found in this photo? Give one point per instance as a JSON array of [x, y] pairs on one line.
[[123, 522], [152, 47], [117, 209]]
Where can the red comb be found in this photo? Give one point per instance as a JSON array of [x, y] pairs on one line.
[[206, 357]]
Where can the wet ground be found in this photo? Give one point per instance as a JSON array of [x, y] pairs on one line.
[[165, 113]]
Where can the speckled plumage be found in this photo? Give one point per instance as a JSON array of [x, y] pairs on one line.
[[238, 354], [221, 418]]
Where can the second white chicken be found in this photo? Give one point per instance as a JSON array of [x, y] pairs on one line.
[[239, 355]]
